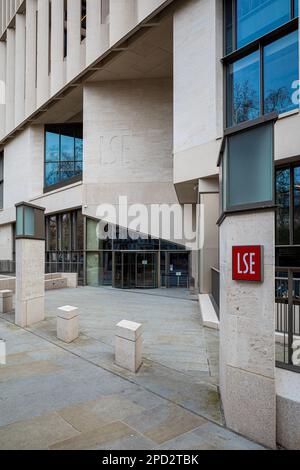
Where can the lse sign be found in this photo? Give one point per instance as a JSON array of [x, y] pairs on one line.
[[247, 263]]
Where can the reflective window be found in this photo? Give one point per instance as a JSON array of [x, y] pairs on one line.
[[63, 153], [297, 206], [255, 18], [280, 72], [283, 203], [244, 89]]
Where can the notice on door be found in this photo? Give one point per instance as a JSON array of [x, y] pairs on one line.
[[247, 263]]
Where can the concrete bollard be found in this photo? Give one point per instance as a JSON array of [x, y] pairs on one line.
[[129, 345], [2, 352], [67, 323], [6, 298]]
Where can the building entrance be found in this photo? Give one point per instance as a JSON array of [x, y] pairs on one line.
[[135, 270]]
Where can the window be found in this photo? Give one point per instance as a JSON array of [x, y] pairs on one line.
[[1, 179], [63, 154], [261, 76], [247, 169], [105, 10], [249, 20], [83, 19], [65, 29], [288, 202]]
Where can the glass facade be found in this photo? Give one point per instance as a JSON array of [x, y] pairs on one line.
[[288, 202], [127, 260], [65, 243], [262, 80], [63, 154]]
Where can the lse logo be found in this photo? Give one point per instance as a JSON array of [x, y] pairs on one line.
[[247, 263]]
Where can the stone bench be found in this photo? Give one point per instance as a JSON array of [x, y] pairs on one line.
[[6, 301], [129, 345], [56, 283], [67, 323]]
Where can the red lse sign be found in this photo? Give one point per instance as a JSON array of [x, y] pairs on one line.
[[247, 263]]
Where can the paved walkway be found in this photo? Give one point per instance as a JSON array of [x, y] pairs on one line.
[[58, 396]]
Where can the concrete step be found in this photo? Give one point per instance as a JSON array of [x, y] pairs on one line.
[[53, 276]]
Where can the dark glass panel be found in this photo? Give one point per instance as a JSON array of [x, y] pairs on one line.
[[283, 178], [52, 233], [297, 206], [229, 26], [258, 17], [79, 231], [281, 70], [66, 232], [288, 257], [243, 94]]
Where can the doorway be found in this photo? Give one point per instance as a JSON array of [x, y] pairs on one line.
[[135, 270]]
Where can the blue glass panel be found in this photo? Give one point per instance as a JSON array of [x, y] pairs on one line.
[[258, 17], [66, 170], [78, 149], [29, 221], [78, 168], [52, 147], [51, 174], [296, 8], [243, 96], [281, 71], [67, 148]]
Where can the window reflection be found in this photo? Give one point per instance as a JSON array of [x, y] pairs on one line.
[[244, 89], [297, 206], [258, 17], [283, 203], [280, 71], [63, 153]]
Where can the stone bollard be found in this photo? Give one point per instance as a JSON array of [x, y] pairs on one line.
[[2, 352], [129, 345], [67, 323], [6, 297]]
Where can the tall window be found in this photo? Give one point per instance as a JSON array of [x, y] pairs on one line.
[[105, 11], [1, 179], [262, 58], [83, 19], [288, 202], [63, 154]]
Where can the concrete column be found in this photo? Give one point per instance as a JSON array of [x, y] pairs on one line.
[[123, 17], [20, 69], [10, 80], [30, 282], [97, 37], [57, 45], [74, 39], [2, 87], [43, 52], [209, 234], [31, 34], [247, 331]]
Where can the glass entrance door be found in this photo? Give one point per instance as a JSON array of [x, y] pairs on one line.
[[135, 270], [146, 270]]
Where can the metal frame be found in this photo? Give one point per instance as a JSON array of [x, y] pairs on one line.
[[256, 45], [72, 180], [291, 166]]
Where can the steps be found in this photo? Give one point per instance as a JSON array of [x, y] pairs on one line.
[[55, 281]]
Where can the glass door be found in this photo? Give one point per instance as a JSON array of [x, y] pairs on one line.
[[146, 270]]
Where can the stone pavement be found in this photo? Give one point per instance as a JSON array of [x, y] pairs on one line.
[[58, 396]]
